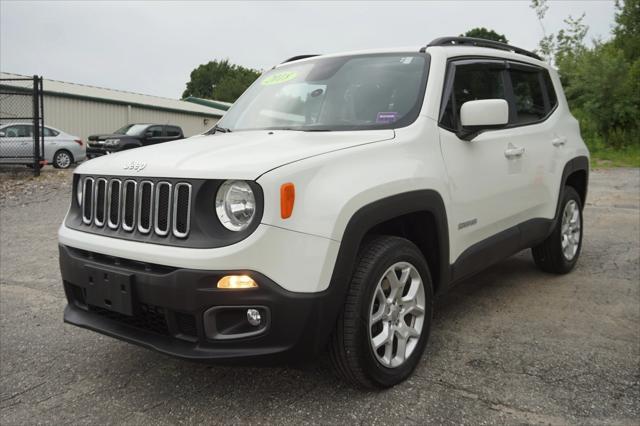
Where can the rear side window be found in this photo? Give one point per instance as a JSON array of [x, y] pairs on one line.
[[50, 132], [173, 131], [471, 82], [156, 131], [528, 96], [551, 91]]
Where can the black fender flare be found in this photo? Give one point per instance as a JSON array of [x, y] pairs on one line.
[[381, 211], [362, 221], [580, 163]]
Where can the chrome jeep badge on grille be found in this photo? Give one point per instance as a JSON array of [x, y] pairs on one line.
[[136, 166]]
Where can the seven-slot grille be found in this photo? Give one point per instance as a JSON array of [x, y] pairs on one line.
[[143, 206]]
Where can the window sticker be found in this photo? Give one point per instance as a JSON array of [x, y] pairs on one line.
[[406, 59], [280, 77], [386, 117]]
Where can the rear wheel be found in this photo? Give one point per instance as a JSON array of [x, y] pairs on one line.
[[384, 326], [62, 159], [560, 251]]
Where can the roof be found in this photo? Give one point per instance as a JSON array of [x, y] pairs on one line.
[[449, 50], [101, 94]]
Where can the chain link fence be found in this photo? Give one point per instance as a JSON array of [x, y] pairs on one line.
[[22, 122]]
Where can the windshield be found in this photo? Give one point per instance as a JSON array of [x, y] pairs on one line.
[[131, 130], [342, 93]]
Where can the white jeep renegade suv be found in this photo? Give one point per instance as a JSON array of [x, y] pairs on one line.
[[335, 198]]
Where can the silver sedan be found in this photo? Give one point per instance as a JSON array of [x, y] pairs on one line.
[[60, 149]]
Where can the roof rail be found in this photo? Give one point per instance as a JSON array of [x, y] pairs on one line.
[[297, 58], [479, 42]]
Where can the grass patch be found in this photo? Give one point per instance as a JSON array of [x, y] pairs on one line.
[[603, 158]]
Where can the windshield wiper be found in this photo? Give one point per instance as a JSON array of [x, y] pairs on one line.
[[216, 129]]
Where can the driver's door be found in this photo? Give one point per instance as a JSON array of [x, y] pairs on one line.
[[487, 185]]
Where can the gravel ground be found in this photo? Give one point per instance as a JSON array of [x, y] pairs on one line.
[[512, 345]]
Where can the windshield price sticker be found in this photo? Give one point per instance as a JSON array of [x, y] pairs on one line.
[[280, 77]]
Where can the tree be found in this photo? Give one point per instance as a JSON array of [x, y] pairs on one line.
[[220, 80], [627, 29], [601, 81], [547, 43], [486, 34]]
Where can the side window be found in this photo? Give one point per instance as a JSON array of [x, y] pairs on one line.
[[173, 131], [19, 131], [471, 82], [528, 96], [551, 91], [50, 132], [156, 131], [13, 131]]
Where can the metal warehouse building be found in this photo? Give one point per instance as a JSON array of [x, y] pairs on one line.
[[85, 110]]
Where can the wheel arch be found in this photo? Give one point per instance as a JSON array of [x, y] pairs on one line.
[[576, 175], [419, 216]]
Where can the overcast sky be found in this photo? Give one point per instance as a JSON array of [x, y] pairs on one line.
[[151, 47]]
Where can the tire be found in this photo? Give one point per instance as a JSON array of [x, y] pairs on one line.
[[351, 346], [62, 159], [559, 253]]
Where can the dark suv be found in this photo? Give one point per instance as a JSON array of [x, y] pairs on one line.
[[132, 136]]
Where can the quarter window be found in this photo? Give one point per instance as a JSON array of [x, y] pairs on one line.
[[50, 132], [551, 92]]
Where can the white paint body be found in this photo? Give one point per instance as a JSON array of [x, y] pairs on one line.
[[337, 173], [485, 112]]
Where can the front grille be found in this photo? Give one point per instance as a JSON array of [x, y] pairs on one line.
[[87, 200], [100, 203], [137, 206]]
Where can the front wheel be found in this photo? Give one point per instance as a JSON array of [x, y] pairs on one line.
[[384, 325], [560, 251]]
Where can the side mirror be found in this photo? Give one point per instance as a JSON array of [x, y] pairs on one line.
[[2, 134], [481, 115], [148, 134]]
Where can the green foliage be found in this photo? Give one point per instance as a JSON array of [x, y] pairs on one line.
[[220, 80], [601, 81], [627, 29], [485, 34]]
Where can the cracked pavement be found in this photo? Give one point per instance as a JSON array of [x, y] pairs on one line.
[[511, 345]]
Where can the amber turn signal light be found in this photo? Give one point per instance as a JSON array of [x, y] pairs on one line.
[[237, 282], [287, 199]]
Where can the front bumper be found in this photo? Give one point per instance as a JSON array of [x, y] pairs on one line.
[[98, 150], [169, 306]]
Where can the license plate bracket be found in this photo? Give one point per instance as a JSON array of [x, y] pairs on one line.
[[110, 290]]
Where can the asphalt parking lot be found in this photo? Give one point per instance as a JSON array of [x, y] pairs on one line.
[[512, 345]]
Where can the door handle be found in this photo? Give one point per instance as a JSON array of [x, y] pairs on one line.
[[513, 151], [559, 141]]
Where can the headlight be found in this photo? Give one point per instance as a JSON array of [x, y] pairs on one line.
[[79, 191], [112, 142], [235, 205]]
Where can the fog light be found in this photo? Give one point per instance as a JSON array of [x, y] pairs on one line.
[[254, 317], [237, 281]]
